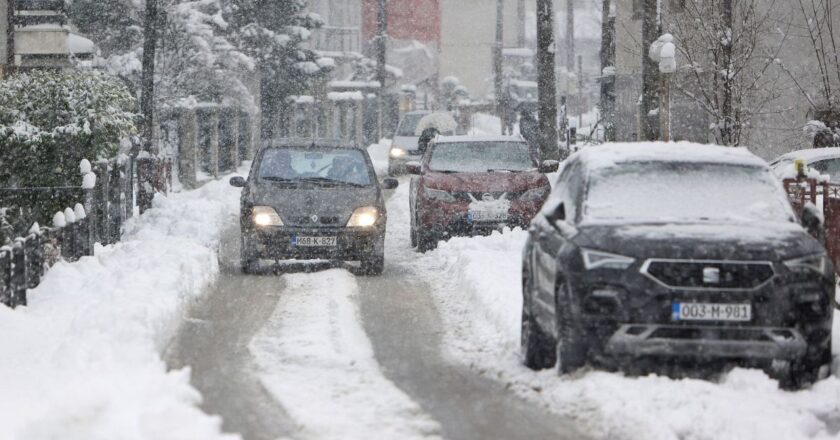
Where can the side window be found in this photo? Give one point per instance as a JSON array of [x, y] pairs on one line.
[[568, 190], [830, 167]]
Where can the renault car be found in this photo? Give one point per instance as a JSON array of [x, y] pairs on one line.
[[306, 200]]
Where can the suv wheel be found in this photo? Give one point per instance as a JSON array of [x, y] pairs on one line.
[[248, 256], [413, 231], [810, 368], [426, 240], [571, 349], [537, 347], [373, 265]]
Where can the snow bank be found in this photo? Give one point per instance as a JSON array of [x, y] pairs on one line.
[[82, 361], [317, 361], [481, 305]]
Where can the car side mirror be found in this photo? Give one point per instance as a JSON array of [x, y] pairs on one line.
[[557, 214], [549, 166], [413, 168], [390, 183], [238, 181], [812, 221]]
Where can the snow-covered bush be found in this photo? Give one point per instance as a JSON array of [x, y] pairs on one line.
[[51, 120]]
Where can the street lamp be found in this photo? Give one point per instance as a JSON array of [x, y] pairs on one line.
[[664, 51]]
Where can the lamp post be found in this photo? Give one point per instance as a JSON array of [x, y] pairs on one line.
[[663, 51]]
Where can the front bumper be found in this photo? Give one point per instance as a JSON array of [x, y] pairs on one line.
[[352, 244], [759, 343], [452, 219]]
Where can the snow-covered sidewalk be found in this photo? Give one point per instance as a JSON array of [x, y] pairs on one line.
[[481, 305], [82, 361], [317, 361]]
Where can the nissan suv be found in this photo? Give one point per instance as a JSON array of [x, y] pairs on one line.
[[675, 254]]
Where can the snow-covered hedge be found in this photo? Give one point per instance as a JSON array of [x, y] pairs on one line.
[[50, 121]]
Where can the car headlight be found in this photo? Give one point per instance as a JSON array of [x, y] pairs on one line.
[[436, 194], [265, 216], [597, 260], [817, 263], [534, 194], [397, 152], [364, 217]]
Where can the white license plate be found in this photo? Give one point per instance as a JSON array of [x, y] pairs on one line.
[[314, 241], [711, 312], [488, 216]]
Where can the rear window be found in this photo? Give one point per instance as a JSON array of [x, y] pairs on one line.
[[668, 191], [478, 157], [294, 165]]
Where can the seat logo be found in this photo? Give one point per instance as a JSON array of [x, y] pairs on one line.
[[487, 197], [314, 218], [711, 275]]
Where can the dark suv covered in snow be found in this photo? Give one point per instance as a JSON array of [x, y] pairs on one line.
[[309, 200], [675, 254]]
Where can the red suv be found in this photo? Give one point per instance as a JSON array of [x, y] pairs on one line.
[[469, 185]]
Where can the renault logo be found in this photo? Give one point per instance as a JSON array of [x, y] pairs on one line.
[[487, 197], [711, 275], [314, 218]]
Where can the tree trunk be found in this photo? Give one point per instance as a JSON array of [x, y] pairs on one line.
[[650, 72], [520, 18], [147, 97], [727, 124], [607, 98], [570, 35], [547, 81]]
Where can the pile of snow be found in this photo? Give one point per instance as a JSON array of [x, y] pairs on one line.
[[82, 361], [481, 305], [379, 156], [317, 361], [607, 155]]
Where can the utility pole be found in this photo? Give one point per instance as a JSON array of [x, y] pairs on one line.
[[727, 129], [498, 85], [546, 81], [607, 101], [520, 18], [570, 35], [381, 53], [147, 83], [650, 71]]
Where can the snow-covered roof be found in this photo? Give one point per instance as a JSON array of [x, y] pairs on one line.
[[345, 96], [478, 138], [354, 84], [813, 154], [607, 155], [77, 44]]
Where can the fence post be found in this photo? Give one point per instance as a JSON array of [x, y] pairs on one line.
[[213, 143], [34, 250], [18, 282], [187, 142], [229, 138], [99, 206], [6, 276]]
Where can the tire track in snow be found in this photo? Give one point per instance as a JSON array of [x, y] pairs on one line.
[[314, 357]]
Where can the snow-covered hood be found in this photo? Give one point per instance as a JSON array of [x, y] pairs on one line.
[[730, 241], [489, 182], [323, 202]]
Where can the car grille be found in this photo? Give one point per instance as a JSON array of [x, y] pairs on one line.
[[714, 275], [307, 220], [482, 195]]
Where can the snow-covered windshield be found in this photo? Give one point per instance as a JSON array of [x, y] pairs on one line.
[[336, 165], [478, 157], [672, 191], [408, 125]]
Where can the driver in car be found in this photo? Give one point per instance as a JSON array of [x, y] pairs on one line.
[[277, 163], [347, 169]]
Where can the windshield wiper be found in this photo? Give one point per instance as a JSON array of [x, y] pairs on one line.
[[327, 181], [279, 179]]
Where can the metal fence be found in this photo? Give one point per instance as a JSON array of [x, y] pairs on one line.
[[98, 214]]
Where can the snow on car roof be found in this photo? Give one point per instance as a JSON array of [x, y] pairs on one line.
[[478, 138], [812, 154], [607, 155]]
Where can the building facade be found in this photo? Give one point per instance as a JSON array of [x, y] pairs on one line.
[[342, 31]]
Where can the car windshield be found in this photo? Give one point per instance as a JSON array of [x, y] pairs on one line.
[[479, 157], [408, 125], [671, 191], [315, 165]]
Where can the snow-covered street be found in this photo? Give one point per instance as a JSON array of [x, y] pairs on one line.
[[428, 350]]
